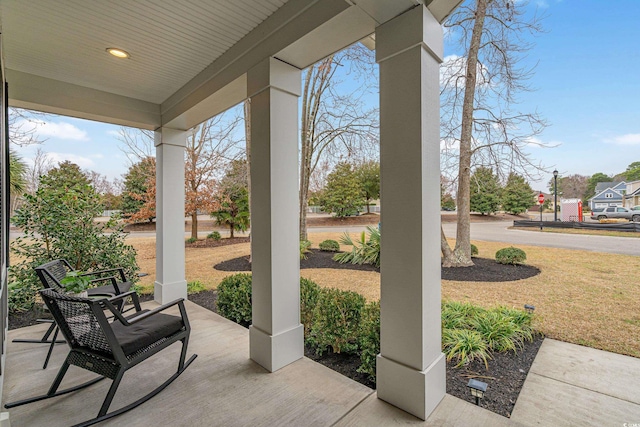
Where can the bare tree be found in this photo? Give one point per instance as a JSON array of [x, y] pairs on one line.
[[41, 164], [137, 144], [210, 146], [23, 126], [333, 123], [479, 123]]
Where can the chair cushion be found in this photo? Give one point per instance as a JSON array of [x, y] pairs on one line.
[[109, 290], [146, 332]]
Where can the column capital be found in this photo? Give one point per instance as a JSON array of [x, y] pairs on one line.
[[169, 136], [416, 27], [273, 73]]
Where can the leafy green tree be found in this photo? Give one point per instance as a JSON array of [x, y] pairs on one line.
[[369, 175], [138, 193], [517, 195], [343, 194], [447, 201], [593, 181], [58, 222], [633, 172], [485, 191], [233, 198]]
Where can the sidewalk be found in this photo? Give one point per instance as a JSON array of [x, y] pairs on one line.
[[572, 385]]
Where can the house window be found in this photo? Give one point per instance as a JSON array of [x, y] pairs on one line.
[[608, 196]]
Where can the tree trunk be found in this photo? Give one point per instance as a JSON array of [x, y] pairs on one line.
[[305, 157], [247, 138], [194, 225], [231, 231], [461, 255]]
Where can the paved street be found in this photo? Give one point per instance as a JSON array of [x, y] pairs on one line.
[[500, 232]]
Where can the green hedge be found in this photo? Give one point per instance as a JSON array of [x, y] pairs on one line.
[[234, 298], [329, 246], [511, 255]]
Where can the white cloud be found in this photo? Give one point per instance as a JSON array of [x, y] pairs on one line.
[[628, 139], [83, 162], [113, 133], [59, 130]]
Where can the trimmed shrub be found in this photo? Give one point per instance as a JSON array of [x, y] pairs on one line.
[[309, 293], [21, 296], [234, 298], [474, 250], [192, 240], [214, 235], [195, 287], [369, 340], [337, 321], [304, 248], [511, 255], [330, 246]]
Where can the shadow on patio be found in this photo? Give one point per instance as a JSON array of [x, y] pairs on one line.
[[223, 387]]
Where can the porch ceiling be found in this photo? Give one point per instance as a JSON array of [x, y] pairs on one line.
[[188, 57]]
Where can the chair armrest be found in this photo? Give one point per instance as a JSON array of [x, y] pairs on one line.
[[108, 270], [132, 294], [179, 302]]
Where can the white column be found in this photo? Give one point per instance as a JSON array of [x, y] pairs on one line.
[[411, 366], [170, 281], [276, 335]]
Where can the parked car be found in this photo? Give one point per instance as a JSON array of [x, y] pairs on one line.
[[615, 212], [636, 208]]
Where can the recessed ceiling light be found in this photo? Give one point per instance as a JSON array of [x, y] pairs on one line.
[[118, 53]]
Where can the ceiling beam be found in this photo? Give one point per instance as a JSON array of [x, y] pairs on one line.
[[57, 97]]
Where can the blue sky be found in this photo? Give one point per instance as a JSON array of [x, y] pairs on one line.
[[587, 87]]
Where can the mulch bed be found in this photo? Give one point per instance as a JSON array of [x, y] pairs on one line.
[[488, 270], [484, 270], [211, 243], [505, 376]]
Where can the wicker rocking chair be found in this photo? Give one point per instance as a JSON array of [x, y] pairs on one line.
[[51, 275], [110, 349]]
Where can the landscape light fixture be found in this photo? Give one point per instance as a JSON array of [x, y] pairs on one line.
[[529, 308], [555, 195], [477, 389], [118, 53]]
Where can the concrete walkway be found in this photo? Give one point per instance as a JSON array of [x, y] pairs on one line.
[[222, 387], [572, 385]]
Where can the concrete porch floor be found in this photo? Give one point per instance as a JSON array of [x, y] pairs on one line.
[[222, 387]]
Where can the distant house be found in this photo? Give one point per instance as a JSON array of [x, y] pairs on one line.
[[632, 196], [608, 194]]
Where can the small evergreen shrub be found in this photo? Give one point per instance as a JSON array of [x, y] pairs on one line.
[[369, 339], [234, 298], [459, 315], [192, 240], [21, 296], [214, 235], [499, 332], [330, 246], [366, 250], [511, 255], [304, 248], [474, 250], [309, 293], [337, 321], [195, 287]]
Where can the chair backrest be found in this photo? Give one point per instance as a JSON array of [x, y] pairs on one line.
[[52, 273], [81, 320]]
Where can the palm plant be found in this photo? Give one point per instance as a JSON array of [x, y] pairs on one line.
[[17, 174], [364, 251]]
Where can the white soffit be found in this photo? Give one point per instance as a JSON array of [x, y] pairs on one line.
[[170, 41]]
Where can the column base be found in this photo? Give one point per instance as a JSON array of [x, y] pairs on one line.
[[416, 392], [167, 292], [273, 352]]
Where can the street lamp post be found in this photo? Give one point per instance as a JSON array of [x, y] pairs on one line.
[[555, 195]]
